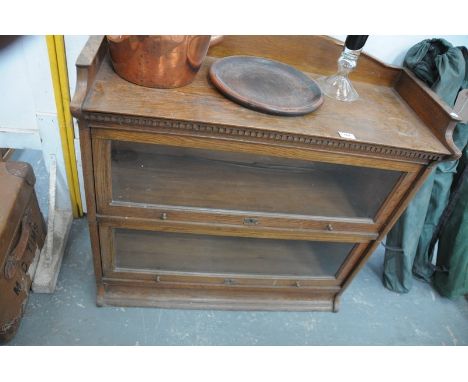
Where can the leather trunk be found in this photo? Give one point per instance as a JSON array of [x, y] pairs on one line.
[[22, 234]]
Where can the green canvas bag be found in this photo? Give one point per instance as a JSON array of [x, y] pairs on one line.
[[444, 69]]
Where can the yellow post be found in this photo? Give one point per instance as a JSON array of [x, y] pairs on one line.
[[65, 90], [58, 70]]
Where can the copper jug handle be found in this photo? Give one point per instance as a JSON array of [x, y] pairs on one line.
[[215, 40]]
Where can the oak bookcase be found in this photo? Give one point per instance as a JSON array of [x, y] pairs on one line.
[[196, 202]]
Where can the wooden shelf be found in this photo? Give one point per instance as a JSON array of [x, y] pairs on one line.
[[164, 252], [175, 176]]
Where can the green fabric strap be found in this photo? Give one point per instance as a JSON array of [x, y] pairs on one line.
[[451, 278]]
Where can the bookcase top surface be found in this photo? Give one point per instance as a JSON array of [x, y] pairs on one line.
[[381, 117]]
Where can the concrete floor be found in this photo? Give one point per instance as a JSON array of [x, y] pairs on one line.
[[369, 314]]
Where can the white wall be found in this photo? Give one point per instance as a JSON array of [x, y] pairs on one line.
[[392, 49], [28, 116], [26, 89]]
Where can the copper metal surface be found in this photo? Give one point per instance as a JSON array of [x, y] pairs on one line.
[[159, 61]]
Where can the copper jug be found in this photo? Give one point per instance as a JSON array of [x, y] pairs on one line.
[[159, 61]]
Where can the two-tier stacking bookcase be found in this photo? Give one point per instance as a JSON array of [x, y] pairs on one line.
[[195, 201]]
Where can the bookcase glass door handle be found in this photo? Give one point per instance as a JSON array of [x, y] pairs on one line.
[[250, 221]]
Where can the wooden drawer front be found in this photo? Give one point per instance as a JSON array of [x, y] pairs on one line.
[[176, 257], [150, 180]]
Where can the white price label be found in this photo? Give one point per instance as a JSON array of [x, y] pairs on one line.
[[346, 135]]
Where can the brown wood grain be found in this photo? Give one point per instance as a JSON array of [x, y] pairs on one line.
[[264, 85], [176, 278], [217, 229], [121, 293], [166, 175], [430, 108], [169, 252], [379, 117], [88, 64], [188, 234], [315, 54], [88, 175], [281, 150]]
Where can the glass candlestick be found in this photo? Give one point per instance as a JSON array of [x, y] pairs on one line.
[[338, 86]]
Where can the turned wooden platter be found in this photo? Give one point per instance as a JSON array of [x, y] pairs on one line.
[[266, 85]]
